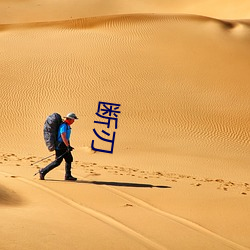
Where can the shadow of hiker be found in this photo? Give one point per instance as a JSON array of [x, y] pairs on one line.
[[122, 184]]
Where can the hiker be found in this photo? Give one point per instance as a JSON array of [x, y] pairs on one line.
[[63, 149]]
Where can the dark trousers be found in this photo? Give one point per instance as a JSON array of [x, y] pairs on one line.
[[60, 155]]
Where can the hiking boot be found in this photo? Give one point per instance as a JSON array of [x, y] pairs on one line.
[[41, 175], [70, 178]]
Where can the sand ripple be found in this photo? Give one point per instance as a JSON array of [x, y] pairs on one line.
[[181, 81]]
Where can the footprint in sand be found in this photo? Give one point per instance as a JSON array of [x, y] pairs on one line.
[[128, 205]]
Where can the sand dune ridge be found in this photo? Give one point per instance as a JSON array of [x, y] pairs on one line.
[[118, 20]]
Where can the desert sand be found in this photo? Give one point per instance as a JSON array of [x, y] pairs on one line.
[[179, 175]]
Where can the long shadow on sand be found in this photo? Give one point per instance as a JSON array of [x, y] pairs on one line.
[[122, 184], [114, 183]]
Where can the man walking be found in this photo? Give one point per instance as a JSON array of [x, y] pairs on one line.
[[63, 150]]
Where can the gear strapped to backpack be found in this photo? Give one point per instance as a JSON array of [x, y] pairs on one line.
[[50, 130]]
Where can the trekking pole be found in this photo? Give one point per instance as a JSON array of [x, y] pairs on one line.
[[42, 159], [48, 157]]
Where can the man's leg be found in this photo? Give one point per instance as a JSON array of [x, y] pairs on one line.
[[52, 165], [68, 160]]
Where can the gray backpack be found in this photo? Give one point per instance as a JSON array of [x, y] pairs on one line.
[[50, 130]]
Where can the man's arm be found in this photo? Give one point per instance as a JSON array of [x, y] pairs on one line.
[[66, 142]]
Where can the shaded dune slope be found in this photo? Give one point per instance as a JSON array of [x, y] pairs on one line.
[[9, 197]]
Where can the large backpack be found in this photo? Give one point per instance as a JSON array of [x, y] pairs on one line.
[[50, 130]]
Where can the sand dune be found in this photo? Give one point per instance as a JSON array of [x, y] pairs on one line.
[[37, 11], [194, 110], [179, 174]]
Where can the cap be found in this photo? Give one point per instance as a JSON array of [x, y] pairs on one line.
[[71, 116]]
